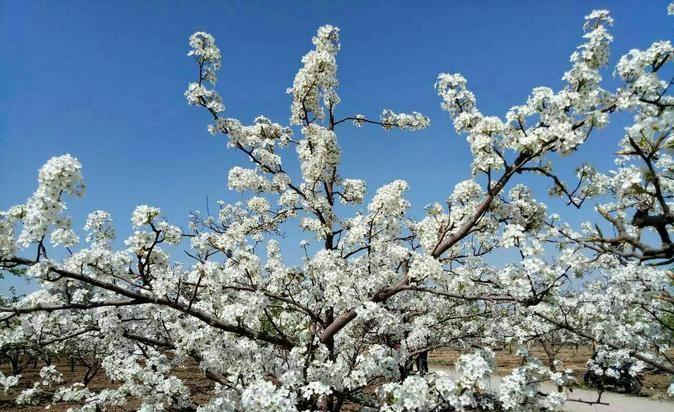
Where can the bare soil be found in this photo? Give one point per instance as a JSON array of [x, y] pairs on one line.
[[654, 385], [571, 357], [191, 375]]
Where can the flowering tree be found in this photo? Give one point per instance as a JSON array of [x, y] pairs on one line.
[[376, 287]]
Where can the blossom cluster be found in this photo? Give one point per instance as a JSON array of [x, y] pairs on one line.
[[373, 285]]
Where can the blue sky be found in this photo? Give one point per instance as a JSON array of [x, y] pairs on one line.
[[104, 81]]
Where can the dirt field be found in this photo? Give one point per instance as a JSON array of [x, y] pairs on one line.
[[655, 385], [191, 375], [572, 358]]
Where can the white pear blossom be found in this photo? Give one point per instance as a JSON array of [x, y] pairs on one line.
[[413, 121], [335, 321]]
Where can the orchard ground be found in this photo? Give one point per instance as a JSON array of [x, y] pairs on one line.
[[651, 397], [655, 385]]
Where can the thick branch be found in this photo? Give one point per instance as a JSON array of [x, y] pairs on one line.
[[210, 319]]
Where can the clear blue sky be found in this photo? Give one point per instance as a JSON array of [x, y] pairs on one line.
[[104, 82]]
